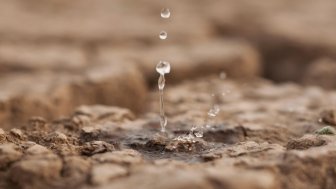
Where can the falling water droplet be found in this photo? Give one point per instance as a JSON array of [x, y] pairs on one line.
[[163, 35], [213, 112], [165, 13], [163, 67]]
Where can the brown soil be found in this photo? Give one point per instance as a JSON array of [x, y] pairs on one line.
[[79, 104]]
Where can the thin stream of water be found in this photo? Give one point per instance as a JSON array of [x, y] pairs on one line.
[[163, 67]]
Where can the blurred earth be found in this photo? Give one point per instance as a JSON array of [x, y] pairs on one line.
[[79, 100]]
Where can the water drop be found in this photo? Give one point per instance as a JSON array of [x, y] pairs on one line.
[[163, 67], [222, 75], [163, 35], [165, 13], [214, 111]]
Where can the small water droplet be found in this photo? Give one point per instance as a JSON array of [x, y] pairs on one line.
[[163, 67], [213, 112], [222, 75], [163, 35], [165, 13]]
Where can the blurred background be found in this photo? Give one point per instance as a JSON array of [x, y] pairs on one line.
[[57, 54]]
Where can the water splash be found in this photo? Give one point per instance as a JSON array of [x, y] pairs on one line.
[[213, 112], [162, 68], [198, 130]]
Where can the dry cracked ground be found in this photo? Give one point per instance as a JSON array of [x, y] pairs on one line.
[[79, 104]]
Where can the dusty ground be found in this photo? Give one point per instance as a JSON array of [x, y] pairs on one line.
[[79, 104]]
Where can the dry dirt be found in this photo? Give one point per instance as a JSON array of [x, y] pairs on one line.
[[79, 104]]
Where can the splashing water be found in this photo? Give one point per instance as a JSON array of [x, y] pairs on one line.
[[213, 112], [198, 131], [162, 68], [165, 13], [163, 35]]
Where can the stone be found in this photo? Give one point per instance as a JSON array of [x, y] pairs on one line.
[[108, 113], [103, 173], [124, 157], [328, 117], [306, 142], [321, 73], [95, 86], [95, 147], [37, 150], [76, 170], [17, 133], [2, 136], [9, 153], [36, 172], [57, 138]]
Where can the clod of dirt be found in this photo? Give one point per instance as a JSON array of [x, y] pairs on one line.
[[75, 170], [101, 113], [95, 147], [211, 156], [90, 133], [9, 153], [37, 170], [103, 173], [321, 73], [37, 150], [306, 142], [328, 117], [224, 134], [251, 148], [37, 123], [2, 136], [17, 134], [123, 157], [56, 138]]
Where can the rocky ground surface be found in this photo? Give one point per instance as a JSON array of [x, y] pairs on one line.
[[79, 104], [264, 136]]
